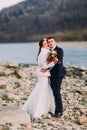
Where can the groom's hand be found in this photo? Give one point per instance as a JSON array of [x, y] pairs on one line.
[[44, 70], [56, 60]]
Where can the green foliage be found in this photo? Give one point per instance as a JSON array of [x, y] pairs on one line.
[[33, 19]]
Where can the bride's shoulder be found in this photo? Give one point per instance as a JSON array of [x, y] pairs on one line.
[[44, 50]]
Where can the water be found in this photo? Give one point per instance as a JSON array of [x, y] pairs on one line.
[[27, 53], [75, 56]]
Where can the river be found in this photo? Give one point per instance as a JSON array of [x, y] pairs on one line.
[[75, 54]]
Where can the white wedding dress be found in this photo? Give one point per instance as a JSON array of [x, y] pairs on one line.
[[41, 99]]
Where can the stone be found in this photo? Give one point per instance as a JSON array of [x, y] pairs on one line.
[[84, 110], [82, 120], [4, 96], [2, 85], [21, 74], [13, 65], [27, 129], [1, 127], [66, 115], [82, 90], [12, 114], [2, 73], [4, 64]]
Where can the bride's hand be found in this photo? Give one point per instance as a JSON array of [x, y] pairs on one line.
[[44, 70]]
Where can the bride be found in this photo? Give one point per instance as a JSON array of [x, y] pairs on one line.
[[41, 99]]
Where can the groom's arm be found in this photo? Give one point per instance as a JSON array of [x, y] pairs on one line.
[[60, 56]]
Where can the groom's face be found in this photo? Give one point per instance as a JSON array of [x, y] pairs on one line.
[[51, 43]]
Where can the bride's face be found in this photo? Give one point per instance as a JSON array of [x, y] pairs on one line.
[[45, 44]]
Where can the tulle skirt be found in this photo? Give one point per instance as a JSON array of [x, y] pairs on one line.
[[41, 99]]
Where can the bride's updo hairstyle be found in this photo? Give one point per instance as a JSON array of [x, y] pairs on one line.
[[40, 46]]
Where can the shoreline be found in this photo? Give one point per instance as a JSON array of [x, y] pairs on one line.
[[68, 43], [32, 64], [73, 44], [2, 63]]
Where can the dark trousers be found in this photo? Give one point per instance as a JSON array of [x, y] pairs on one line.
[[56, 87]]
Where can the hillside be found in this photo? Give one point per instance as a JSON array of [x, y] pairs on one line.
[[32, 19]]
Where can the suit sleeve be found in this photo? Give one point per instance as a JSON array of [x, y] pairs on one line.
[[60, 56]]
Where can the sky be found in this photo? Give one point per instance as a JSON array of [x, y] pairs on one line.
[[7, 3]]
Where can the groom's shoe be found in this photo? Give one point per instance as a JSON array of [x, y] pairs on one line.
[[51, 114], [58, 115]]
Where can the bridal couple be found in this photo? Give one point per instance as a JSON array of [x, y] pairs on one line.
[[46, 97]]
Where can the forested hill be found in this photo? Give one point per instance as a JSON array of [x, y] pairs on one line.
[[32, 19]]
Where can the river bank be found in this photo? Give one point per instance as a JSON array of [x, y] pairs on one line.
[[18, 80], [73, 44]]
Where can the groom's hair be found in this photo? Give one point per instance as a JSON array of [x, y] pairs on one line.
[[50, 38]]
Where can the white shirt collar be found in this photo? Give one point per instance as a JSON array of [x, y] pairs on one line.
[[53, 47]]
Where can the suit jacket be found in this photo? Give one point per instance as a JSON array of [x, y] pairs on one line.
[[58, 69]]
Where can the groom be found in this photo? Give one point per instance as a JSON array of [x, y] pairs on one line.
[[57, 74]]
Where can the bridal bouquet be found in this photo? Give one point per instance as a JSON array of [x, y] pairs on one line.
[[52, 54]]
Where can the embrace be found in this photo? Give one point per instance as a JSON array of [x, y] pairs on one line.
[[46, 96]]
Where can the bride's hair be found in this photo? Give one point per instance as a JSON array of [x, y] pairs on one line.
[[40, 46]]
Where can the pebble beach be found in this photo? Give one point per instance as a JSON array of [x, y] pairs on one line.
[[16, 83]]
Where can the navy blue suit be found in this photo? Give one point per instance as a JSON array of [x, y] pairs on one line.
[[57, 74]]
